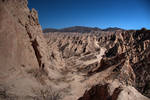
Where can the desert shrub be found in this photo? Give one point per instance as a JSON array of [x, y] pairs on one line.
[[40, 75], [4, 95], [47, 94]]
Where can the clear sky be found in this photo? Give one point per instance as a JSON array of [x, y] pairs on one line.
[[127, 14]]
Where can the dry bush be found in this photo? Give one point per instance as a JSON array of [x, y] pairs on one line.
[[47, 94], [40, 75], [4, 95]]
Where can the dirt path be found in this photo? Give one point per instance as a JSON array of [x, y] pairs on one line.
[[98, 57]]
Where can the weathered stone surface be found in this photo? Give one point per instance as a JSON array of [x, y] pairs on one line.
[[119, 93], [100, 93], [22, 47]]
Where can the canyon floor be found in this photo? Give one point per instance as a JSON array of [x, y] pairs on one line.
[[69, 65]]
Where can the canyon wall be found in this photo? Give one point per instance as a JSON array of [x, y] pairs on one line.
[[23, 48]]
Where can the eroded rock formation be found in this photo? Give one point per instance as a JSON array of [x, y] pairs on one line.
[[23, 48], [119, 93], [101, 57]]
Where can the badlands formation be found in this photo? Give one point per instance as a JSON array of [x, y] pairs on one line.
[[95, 65]]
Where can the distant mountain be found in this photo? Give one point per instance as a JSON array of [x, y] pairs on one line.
[[81, 29], [49, 30], [112, 29]]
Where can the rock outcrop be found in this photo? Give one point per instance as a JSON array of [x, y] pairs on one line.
[[23, 48], [118, 93]]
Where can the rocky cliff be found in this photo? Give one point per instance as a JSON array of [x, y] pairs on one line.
[[23, 48], [98, 65]]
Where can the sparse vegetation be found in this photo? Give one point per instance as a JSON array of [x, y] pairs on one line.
[[47, 94], [4, 95], [38, 74]]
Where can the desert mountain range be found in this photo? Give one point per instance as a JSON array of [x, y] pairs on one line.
[[80, 29], [111, 64]]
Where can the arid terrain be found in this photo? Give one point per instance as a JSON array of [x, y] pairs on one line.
[[76, 63]]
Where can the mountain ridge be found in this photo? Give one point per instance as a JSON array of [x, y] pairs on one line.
[[81, 29]]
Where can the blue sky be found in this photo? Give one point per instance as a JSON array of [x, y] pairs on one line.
[[127, 14]]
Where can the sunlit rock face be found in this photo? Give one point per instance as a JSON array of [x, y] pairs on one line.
[[68, 65], [22, 49]]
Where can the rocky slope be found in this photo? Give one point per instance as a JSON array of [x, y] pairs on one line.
[[100, 65], [23, 50], [100, 58]]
